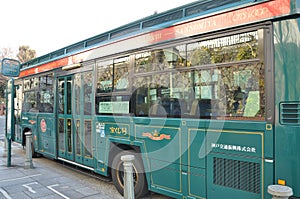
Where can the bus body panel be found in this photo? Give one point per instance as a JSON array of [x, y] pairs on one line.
[[46, 135], [170, 145], [28, 123], [43, 131], [236, 164], [108, 130], [101, 147], [287, 85]]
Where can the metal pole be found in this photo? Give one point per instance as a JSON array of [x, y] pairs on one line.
[[5, 148], [280, 191], [128, 178], [8, 152], [28, 156]]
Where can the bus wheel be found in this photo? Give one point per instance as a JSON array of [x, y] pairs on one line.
[[139, 178]]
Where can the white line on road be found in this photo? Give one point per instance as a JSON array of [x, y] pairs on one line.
[[8, 180], [30, 188], [55, 191], [5, 194]]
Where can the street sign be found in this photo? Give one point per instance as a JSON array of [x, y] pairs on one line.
[[10, 67]]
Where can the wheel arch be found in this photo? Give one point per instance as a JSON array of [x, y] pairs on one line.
[[116, 148]]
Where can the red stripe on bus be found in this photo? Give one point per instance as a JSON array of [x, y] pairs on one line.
[[45, 67], [238, 17]]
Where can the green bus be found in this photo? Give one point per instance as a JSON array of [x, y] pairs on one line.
[[206, 96]]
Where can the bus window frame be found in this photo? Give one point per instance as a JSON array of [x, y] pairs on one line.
[[263, 52]]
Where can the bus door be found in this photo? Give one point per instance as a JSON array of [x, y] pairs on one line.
[[65, 120], [82, 106]]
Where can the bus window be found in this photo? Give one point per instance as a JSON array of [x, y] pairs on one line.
[[61, 96], [121, 82], [227, 88], [105, 76], [232, 48], [30, 83], [113, 80], [76, 93], [87, 91], [163, 92], [149, 93], [88, 139], [161, 95], [45, 94], [159, 60], [38, 94], [69, 95], [29, 103], [232, 91]]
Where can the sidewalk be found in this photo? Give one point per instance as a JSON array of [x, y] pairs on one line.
[[47, 180]]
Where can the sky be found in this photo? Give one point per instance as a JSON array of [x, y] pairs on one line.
[[48, 25]]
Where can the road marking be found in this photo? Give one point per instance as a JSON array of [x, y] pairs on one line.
[[57, 192], [5, 194], [8, 180], [30, 188]]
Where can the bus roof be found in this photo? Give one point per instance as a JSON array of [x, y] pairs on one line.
[[191, 11]]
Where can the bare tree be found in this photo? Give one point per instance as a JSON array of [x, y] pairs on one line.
[[26, 54], [6, 53]]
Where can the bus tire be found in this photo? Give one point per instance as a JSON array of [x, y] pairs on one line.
[[139, 177]]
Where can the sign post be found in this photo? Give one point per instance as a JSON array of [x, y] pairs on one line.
[[10, 124], [10, 68]]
